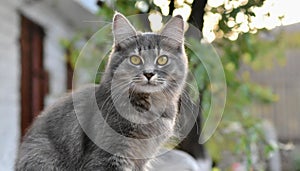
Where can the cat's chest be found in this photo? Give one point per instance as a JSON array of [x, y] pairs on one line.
[[152, 103], [142, 108]]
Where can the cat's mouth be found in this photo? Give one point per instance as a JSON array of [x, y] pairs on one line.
[[150, 83], [147, 87]]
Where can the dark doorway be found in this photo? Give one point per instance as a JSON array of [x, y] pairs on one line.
[[34, 79], [70, 70]]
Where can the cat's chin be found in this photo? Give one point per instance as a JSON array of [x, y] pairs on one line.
[[148, 88]]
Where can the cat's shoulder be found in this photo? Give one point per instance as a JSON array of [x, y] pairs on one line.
[[65, 104], [62, 111]]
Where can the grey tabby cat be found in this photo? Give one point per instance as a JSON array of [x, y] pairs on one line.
[[146, 74]]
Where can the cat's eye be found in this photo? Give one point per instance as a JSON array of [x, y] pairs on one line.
[[136, 60], [162, 60]]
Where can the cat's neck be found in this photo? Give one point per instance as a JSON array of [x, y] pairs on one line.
[[141, 101]]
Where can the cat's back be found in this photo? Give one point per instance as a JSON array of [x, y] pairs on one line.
[[62, 112], [56, 134]]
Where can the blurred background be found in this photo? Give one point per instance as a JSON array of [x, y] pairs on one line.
[[258, 42]]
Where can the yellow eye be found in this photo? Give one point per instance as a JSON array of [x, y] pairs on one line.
[[162, 60], [136, 60]]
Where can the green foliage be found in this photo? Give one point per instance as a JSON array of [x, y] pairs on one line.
[[72, 52], [297, 162], [240, 128], [127, 7], [245, 8]]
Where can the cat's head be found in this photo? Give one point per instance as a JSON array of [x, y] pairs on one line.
[[148, 62]]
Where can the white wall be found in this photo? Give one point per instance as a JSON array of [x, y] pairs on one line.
[[9, 83], [10, 69]]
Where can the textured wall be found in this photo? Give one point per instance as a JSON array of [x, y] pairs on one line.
[[55, 28]]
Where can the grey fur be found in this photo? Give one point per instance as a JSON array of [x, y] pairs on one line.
[[57, 141]]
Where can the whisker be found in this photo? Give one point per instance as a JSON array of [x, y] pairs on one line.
[[110, 108], [96, 21]]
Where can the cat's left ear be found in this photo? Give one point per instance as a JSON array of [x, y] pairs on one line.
[[122, 29], [174, 29]]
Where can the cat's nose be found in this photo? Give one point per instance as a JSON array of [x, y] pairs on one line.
[[148, 75]]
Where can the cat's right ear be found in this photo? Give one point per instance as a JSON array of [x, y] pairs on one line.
[[122, 29], [174, 30]]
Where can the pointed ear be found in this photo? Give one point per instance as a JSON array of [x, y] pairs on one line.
[[174, 29], [122, 29]]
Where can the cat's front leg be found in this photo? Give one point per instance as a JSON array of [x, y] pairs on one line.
[[36, 166], [126, 164], [120, 164]]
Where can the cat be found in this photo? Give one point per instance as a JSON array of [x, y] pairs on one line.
[[137, 99]]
